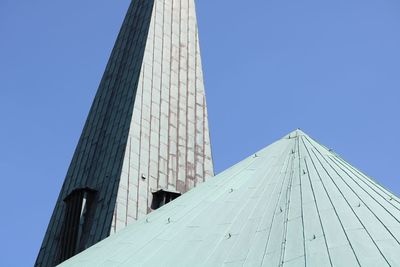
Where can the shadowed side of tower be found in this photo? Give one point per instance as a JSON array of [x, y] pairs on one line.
[[147, 131]]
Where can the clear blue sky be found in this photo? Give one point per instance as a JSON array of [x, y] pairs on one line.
[[331, 68]]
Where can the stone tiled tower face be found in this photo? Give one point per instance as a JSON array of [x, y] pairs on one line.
[[147, 130]]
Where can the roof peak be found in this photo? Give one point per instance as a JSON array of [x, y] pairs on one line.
[[296, 133]]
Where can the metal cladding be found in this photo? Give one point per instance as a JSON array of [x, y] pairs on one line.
[[294, 203], [147, 130]]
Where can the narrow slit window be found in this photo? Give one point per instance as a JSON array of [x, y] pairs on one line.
[[78, 207]]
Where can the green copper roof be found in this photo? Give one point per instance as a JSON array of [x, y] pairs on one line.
[[294, 203]]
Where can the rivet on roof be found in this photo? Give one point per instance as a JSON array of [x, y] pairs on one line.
[[230, 191], [169, 220]]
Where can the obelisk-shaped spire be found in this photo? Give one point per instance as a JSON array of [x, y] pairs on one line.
[[146, 138]]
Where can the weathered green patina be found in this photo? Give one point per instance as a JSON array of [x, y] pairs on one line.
[[294, 203]]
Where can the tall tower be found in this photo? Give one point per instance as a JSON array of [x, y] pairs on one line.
[[146, 138]]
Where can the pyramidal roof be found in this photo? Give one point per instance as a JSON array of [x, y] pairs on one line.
[[294, 203]]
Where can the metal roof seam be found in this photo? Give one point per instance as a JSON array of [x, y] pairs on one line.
[[318, 211], [288, 198], [363, 201], [350, 206], [273, 217], [333, 206], [282, 158], [285, 175], [262, 200], [301, 198], [362, 188], [363, 178]]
